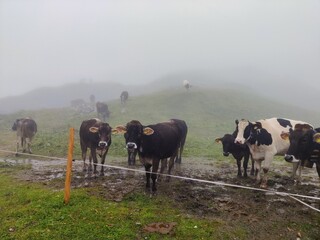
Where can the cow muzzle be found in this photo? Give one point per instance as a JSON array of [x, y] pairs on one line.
[[131, 145], [226, 154], [103, 144], [290, 158]]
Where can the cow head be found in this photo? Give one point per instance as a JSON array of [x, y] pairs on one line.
[[133, 133], [227, 142], [244, 130], [16, 124], [301, 141], [103, 131]]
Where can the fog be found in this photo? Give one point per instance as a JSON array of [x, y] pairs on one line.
[[264, 44]]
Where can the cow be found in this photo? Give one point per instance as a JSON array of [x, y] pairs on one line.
[[186, 84], [124, 97], [95, 135], [304, 146], [264, 141], [239, 152], [102, 110], [154, 143], [26, 129], [183, 131]]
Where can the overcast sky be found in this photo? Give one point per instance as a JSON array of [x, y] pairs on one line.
[[52, 42]]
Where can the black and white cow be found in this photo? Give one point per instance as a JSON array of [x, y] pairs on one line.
[[153, 143], [264, 141], [304, 146], [238, 151], [95, 135]]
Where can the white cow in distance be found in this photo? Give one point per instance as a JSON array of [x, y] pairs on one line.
[[186, 84]]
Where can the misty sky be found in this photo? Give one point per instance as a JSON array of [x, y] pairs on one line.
[[52, 42]]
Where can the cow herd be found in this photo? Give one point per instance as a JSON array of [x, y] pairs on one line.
[[155, 144]]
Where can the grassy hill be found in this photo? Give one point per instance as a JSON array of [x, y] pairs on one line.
[[209, 114]]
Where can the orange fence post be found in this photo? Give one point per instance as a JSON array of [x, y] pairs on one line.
[[69, 167]]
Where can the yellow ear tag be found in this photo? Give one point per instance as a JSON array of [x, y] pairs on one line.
[[316, 138], [148, 131], [93, 129]]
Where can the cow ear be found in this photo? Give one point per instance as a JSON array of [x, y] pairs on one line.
[[93, 129], [316, 137], [284, 135], [257, 125], [148, 131], [119, 130], [218, 140], [236, 121]]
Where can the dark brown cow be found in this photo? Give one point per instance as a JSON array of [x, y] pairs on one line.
[[304, 147], [183, 130], [102, 110], [153, 143], [124, 97], [96, 135], [238, 151], [26, 129]]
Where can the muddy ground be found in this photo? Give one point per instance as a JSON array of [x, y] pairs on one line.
[[263, 215]]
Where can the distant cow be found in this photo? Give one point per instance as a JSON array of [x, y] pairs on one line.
[[124, 97], [264, 141], [186, 84], [304, 146], [238, 151], [153, 143], [95, 135], [26, 129], [102, 110]]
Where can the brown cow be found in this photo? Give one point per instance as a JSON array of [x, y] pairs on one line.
[[26, 129], [103, 110], [96, 135], [153, 143]]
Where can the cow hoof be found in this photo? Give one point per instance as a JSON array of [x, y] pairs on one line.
[[17, 154], [101, 174]]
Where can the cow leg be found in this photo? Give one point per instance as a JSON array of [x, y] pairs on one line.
[[252, 167], [154, 174], [23, 144], [318, 167], [294, 170], [103, 158], [257, 170], [245, 165], [266, 167], [84, 155], [239, 167], [164, 163], [95, 161], [18, 143], [28, 142], [171, 164], [147, 168]]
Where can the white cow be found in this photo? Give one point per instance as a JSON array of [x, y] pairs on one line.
[[264, 140], [186, 84]]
